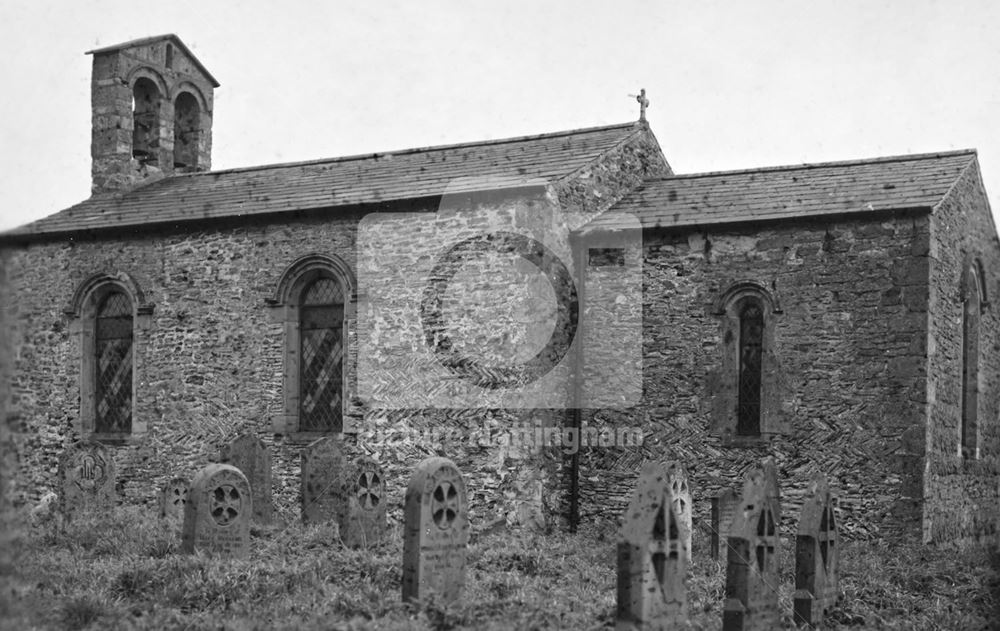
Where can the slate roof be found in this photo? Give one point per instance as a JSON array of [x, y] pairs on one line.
[[859, 186], [372, 178]]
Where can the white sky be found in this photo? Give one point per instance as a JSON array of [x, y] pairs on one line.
[[732, 85]]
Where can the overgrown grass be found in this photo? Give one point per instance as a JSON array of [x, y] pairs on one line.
[[122, 571]]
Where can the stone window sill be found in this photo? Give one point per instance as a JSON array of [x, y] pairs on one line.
[[112, 439], [304, 438], [746, 441]]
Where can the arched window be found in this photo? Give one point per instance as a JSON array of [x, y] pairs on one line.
[[321, 353], [109, 316], [314, 301], [971, 309], [145, 120], [745, 386], [113, 365], [751, 351], [187, 131]]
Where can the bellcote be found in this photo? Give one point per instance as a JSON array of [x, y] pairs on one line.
[[151, 104]]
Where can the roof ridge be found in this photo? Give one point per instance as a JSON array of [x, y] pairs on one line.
[[409, 151], [156, 38], [911, 157]]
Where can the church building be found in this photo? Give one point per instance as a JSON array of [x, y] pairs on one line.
[[464, 300]]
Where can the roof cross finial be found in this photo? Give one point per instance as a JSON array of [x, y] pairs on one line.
[[643, 104]]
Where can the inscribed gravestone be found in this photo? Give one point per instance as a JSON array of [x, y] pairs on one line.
[[88, 477], [752, 560], [217, 513], [173, 497], [363, 522], [652, 557], [817, 555], [321, 480], [436, 531], [250, 455], [723, 509], [680, 492]]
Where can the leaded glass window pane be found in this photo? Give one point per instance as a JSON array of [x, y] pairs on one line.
[[321, 317], [113, 365], [751, 355]]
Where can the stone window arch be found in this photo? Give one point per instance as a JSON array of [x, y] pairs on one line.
[[187, 131], [145, 120], [314, 300], [973, 301], [109, 316], [745, 386]]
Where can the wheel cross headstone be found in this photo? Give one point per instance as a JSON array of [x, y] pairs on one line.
[[362, 517], [217, 512], [436, 532], [652, 556], [817, 555], [88, 474], [173, 497], [752, 557]]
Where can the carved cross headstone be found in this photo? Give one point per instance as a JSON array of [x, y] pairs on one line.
[[817, 555], [436, 532], [88, 477], [680, 493], [652, 556], [322, 480], [363, 521], [250, 455], [217, 513], [723, 508], [752, 559], [173, 497]]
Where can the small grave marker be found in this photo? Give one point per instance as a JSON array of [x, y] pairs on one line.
[[723, 509], [752, 559], [652, 555], [88, 477], [173, 497], [250, 455], [322, 480], [436, 532], [217, 513], [362, 523], [817, 555]]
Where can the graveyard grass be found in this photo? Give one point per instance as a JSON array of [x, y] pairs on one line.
[[123, 569]]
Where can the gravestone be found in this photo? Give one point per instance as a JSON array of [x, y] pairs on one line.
[[752, 560], [652, 556], [723, 509], [351, 494], [322, 480], [250, 455], [362, 523], [218, 512], [817, 555], [436, 532], [88, 475], [680, 493], [173, 497]]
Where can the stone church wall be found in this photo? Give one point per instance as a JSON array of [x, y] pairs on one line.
[[846, 385], [209, 359], [962, 494]]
